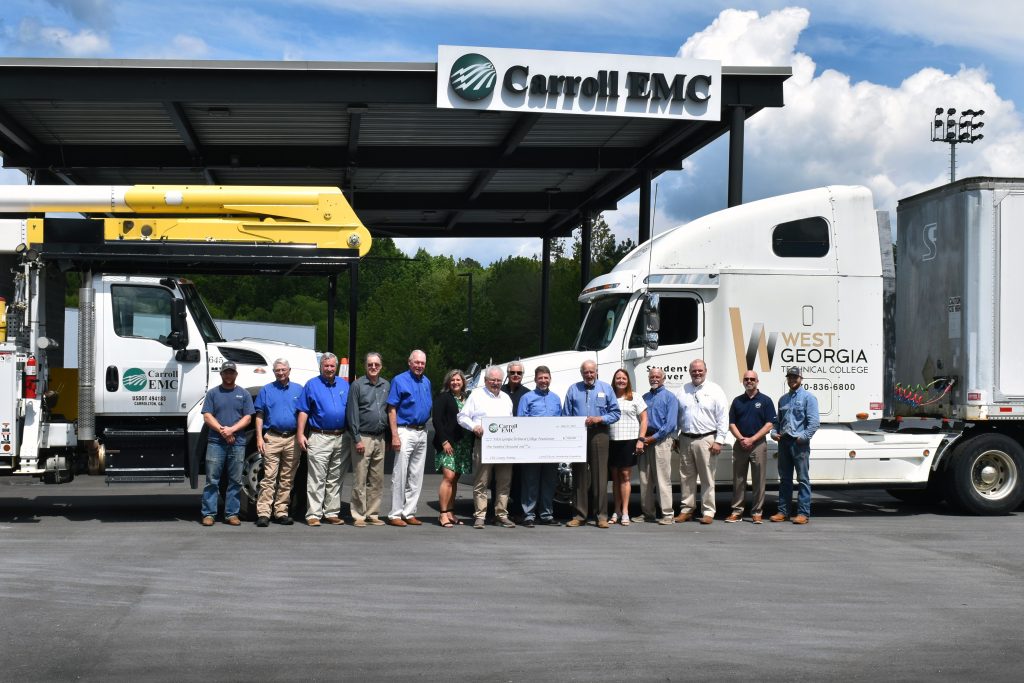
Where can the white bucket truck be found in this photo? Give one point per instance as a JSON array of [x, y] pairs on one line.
[[148, 348], [806, 279]]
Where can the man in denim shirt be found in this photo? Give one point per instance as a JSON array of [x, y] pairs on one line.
[[796, 423]]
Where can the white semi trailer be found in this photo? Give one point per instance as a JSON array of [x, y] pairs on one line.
[[148, 349], [807, 279]]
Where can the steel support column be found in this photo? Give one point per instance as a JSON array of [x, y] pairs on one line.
[[586, 226], [738, 116], [644, 232], [353, 315], [545, 291]]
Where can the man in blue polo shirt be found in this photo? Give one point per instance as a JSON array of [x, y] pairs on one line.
[[409, 404], [595, 400], [538, 480], [750, 419], [277, 407], [655, 462], [322, 408], [227, 411]]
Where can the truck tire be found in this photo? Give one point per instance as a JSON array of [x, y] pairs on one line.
[[252, 473], [986, 475]]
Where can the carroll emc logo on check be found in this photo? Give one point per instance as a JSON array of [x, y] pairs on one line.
[[134, 379], [473, 77], [493, 428]]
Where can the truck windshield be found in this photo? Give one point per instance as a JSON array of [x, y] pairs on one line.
[[204, 321], [602, 320]]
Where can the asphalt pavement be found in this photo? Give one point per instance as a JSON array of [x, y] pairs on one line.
[[122, 583]]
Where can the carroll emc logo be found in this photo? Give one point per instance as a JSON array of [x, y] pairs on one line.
[[473, 77], [493, 428], [134, 379]]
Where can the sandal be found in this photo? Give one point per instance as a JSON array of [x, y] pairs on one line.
[[614, 518], [451, 522], [625, 520]]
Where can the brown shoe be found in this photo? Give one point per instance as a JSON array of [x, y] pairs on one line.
[[706, 519], [602, 524], [733, 518], [756, 519], [359, 523], [312, 521], [412, 521], [779, 517], [233, 521], [337, 521], [683, 517], [207, 521], [397, 521], [800, 519], [574, 523]]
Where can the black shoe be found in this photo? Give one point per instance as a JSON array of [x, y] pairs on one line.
[[263, 521], [286, 520], [547, 521], [528, 523]]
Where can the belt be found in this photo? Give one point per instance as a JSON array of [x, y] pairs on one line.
[[698, 436], [328, 432], [418, 428], [276, 432]]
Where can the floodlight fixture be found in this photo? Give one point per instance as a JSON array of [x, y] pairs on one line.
[[946, 128]]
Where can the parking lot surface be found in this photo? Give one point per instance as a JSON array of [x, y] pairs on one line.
[[124, 584]]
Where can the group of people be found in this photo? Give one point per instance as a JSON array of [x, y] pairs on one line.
[[337, 425]]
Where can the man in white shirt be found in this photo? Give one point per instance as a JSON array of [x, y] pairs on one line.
[[490, 401], [703, 424]]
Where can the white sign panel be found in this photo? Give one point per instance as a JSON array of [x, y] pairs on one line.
[[501, 79], [533, 439]]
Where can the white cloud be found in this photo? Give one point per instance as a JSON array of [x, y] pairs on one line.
[[34, 37], [182, 46], [833, 130], [483, 250]]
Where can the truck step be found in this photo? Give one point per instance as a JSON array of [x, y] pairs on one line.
[[135, 476]]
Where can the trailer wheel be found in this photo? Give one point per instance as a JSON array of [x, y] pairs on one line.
[[985, 475], [252, 473]]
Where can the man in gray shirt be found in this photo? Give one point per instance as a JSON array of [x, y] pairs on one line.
[[367, 429]]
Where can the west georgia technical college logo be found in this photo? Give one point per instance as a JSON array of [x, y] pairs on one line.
[[134, 379], [473, 77]]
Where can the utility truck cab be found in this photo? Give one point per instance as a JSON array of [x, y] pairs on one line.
[[148, 349]]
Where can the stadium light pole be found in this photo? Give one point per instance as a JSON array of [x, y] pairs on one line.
[[955, 131]]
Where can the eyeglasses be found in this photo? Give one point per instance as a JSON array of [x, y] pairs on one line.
[[373, 365], [749, 379], [517, 373]]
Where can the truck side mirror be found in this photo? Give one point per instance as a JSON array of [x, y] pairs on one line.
[[178, 338], [652, 321]]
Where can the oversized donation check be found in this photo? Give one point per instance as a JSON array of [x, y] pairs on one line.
[[533, 439]]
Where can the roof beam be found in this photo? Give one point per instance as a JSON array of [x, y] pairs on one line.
[[335, 157], [488, 201], [189, 138], [13, 136]]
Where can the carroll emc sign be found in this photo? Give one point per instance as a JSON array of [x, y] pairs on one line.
[[499, 79]]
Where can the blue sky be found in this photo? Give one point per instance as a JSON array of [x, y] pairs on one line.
[[867, 75]]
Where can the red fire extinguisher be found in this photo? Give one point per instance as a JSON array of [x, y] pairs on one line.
[[31, 377]]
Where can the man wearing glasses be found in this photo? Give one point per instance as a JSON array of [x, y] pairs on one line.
[[703, 424], [490, 402], [750, 419], [513, 386], [277, 407], [367, 429]]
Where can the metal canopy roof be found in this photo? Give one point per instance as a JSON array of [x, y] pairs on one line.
[[408, 168]]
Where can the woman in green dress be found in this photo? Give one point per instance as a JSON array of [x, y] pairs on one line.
[[454, 450]]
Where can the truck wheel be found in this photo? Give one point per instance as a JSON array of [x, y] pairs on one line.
[[985, 475], [252, 473]]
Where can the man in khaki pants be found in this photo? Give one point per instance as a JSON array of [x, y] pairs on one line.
[[750, 419], [368, 428], [276, 407], [490, 401], [703, 424]]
